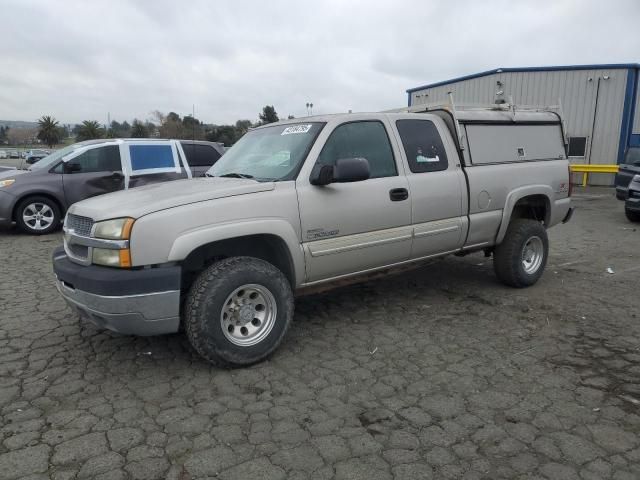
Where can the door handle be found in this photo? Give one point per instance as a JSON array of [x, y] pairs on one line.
[[398, 194]]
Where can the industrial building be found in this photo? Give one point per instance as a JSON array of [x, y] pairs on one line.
[[600, 104]]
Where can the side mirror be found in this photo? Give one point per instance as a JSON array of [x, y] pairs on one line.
[[345, 170], [351, 170], [321, 175]]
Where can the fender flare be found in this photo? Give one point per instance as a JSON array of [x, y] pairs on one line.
[[518, 194], [193, 239]]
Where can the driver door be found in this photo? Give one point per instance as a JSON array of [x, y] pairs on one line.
[[94, 172], [353, 227]]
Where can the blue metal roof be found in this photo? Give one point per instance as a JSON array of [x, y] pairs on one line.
[[602, 66]]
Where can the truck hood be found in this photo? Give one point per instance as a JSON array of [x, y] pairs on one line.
[[140, 201]]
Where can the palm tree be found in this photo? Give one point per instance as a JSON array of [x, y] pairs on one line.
[[48, 131], [89, 130]]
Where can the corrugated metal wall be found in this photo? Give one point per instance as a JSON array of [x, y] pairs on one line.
[[574, 89]]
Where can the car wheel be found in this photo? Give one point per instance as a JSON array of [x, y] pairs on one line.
[[631, 215], [38, 215], [520, 259], [238, 311]]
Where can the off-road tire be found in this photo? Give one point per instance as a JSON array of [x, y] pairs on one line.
[[508, 256], [631, 215], [50, 204], [205, 301]]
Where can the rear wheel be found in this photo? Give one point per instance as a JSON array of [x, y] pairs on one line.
[[238, 311], [38, 215], [631, 215], [520, 259]]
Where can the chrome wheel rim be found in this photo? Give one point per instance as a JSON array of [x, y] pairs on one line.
[[532, 255], [248, 315], [38, 216]]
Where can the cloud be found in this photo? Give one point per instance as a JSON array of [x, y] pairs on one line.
[[78, 60]]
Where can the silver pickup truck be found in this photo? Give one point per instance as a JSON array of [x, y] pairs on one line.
[[303, 203]]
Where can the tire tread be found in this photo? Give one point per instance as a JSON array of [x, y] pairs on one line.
[[214, 277], [506, 256]]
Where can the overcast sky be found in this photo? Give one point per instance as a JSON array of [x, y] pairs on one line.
[[78, 60]]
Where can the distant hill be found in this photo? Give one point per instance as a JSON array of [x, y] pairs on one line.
[[18, 124]]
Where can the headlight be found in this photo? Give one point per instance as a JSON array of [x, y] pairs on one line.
[[116, 229], [6, 183], [636, 179], [112, 258]]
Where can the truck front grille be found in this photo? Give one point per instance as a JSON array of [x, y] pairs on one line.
[[80, 225]]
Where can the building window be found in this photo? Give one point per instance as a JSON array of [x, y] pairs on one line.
[[577, 146]]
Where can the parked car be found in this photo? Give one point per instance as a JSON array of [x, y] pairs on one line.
[[33, 156], [14, 154], [4, 154], [37, 199], [294, 205], [627, 171], [632, 202]]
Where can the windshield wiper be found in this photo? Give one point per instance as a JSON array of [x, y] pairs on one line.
[[235, 175]]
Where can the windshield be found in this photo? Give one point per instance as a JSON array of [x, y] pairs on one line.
[[54, 157], [268, 154]]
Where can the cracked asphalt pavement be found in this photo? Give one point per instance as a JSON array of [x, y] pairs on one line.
[[438, 373]]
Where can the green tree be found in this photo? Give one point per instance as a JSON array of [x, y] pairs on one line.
[[89, 130], [193, 128], [225, 134], [118, 130], [139, 129], [242, 127], [4, 134], [268, 115], [48, 131], [170, 125]]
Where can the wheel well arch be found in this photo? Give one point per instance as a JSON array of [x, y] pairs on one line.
[[268, 247], [25, 196], [536, 207]]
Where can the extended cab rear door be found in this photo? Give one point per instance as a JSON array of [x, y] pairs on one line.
[[437, 185]]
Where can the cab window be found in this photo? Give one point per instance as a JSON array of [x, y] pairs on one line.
[[200, 155], [366, 139], [102, 159], [422, 145]]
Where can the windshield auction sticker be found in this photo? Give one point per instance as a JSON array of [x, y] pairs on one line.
[[296, 129]]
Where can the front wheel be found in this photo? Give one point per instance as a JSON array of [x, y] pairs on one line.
[[238, 311], [38, 215], [520, 259], [631, 215]]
